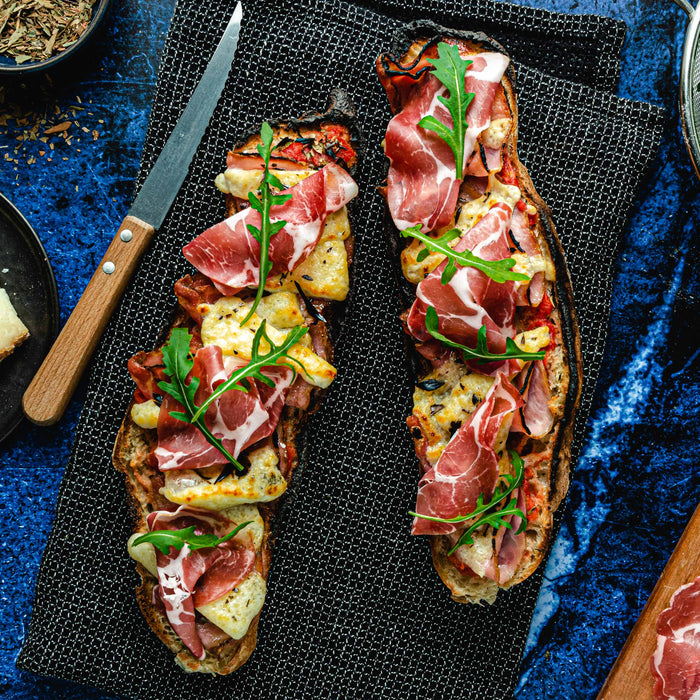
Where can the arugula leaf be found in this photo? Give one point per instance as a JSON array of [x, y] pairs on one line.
[[481, 352], [262, 204], [498, 270], [178, 364], [165, 539], [451, 69], [486, 513], [258, 360]]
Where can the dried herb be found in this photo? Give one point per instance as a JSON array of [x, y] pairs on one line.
[[34, 30]]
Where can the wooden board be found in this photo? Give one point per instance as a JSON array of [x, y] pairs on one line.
[[631, 677]]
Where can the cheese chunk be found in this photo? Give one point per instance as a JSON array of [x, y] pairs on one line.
[[233, 612], [281, 309], [239, 182], [495, 134], [261, 483], [325, 272], [534, 340], [221, 326], [145, 414], [12, 331]]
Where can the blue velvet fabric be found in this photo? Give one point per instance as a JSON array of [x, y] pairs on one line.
[[637, 480]]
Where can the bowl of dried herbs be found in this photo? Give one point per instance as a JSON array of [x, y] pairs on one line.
[[36, 35]]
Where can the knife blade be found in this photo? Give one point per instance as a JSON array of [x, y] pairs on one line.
[[49, 393]]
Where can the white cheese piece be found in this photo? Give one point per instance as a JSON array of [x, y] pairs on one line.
[[244, 513], [221, 326], [145, 414], [12, 330], [281, 309], [495, 134], [530, 265], [261, 483], [233, 612], [325, 272], [476, 556], [239, 182]]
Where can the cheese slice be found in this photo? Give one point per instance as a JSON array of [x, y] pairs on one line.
[[239, 182], [12, 331], [262, 482], [221, 326]]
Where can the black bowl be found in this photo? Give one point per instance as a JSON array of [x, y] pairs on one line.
[[8, 67]]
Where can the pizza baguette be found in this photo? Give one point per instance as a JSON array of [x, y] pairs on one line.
[[209, 442], [489, 316]]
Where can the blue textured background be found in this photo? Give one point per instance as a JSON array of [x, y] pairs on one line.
[[637, 480]]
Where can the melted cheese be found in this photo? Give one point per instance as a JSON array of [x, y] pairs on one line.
[[261, 483], [145, 414], [234, 611], [533, 340], [281, 310], [532, 264], [221, 326], [496, 133], [325, 272], [239, 182], [442, 411]]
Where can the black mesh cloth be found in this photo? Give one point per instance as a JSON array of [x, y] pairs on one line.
[[354, 607]]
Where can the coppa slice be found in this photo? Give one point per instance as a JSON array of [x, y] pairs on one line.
[[497, 353], [205, 455]]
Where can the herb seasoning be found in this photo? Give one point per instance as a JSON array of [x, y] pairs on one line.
[[34, 30]]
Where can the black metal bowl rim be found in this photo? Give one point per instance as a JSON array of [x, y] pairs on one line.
[[98, 12]]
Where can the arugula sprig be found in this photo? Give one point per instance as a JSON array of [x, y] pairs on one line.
[[487, 513], [262, 204], [498, 270], [178, 363], [481, 352], [240, 379], [451, 69], [165, 539]]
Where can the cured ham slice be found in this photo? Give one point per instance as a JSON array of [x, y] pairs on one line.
[[229, 255], [676, 661], [191, 578], [534, 417], [422, 186], [239, 419], [471, 299], [469, 465]]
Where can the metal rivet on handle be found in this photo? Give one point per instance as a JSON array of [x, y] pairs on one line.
[[126, 235], [109, 267]]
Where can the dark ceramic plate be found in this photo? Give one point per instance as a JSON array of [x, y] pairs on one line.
[[27, 277], [9, 68]]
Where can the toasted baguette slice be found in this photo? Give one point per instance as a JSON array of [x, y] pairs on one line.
[[135, 442], [12, 331], [547, 474]]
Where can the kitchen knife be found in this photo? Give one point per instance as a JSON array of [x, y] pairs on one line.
[[46, 399]]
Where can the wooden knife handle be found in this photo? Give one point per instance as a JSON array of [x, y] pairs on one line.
[[631, 676], [48, 395]]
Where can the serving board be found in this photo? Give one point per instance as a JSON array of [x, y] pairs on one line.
[[631, 676]]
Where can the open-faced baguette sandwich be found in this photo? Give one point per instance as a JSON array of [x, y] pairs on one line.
[[209, 442], [489, 312]]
